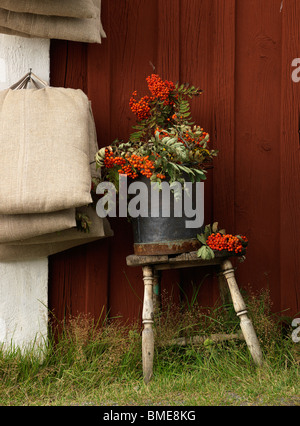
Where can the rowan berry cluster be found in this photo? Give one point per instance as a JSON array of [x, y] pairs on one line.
[[141, 164], [160, 176], [219, 242], [159, 88], [110, 160], [130, 165], [140, 108]]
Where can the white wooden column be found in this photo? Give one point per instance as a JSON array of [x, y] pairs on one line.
[[23, 285]]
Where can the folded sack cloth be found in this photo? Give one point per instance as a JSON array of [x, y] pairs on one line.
[[68, 8], [45, 150], [11, 253], [99, 228], [47, 245], [17, 227], [87, 30]]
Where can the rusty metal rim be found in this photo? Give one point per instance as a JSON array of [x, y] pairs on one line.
[[166, 247]]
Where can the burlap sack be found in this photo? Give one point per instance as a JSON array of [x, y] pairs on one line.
[[45, 151], [57, 27], [10, 253], [55, 243], [8, 31], [69, 8], [20, 227], [99, 228]]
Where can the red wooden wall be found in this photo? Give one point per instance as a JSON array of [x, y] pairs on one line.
[[240, 53]]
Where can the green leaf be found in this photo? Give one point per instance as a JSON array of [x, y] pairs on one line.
[[215, 227], [201, 238], [207, 231], [206, 253], [200, 174]]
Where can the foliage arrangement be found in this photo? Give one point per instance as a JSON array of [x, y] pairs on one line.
[[213, 239], [165, 142]]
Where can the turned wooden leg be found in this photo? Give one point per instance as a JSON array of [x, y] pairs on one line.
[[148, 317], [241, 311]]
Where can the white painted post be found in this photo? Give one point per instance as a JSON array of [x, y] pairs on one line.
[[23, 285]]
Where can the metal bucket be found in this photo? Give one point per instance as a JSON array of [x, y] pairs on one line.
[[166, 235]]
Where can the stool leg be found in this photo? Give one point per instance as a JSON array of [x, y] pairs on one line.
[[148, 319], [241, 311]]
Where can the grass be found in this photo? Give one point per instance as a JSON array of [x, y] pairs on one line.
[[89, 364]]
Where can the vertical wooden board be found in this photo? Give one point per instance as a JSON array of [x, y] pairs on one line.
[[78, 281], [66, 292], [75, 279], [99, 78], [125, 283], [168, 40], [197, 29], [133, 33], [167, 66], [196, 56], [68, 64], [257, 159], [289, 250], [58, 62], [96, 277], [223, 130], [76, 66], [59, 291]]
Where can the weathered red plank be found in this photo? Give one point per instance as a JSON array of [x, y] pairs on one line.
[[196, 67], [289, 251], [223, 130], [257, 141], [98, 79], [223, 127], [132, 37]]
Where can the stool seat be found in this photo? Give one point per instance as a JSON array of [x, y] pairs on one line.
[[152, 267]]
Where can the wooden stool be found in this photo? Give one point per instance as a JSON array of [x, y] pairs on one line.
[[152, 265]]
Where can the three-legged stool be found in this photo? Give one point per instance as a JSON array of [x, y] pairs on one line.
[[152, 265]]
